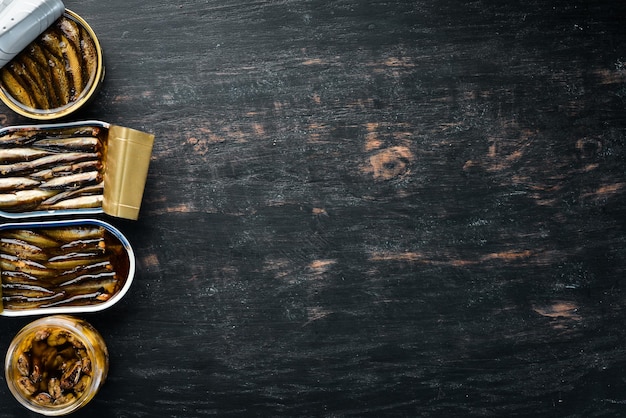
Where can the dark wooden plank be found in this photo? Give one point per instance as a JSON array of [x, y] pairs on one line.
[[381, 208]]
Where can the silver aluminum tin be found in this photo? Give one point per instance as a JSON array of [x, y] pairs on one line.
[[77, 309]]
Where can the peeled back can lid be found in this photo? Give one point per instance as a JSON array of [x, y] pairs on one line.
[[22, 21]]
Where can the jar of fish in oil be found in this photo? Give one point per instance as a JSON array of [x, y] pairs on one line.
[[56, 365]]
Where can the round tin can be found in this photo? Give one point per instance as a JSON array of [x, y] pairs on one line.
[[57, 73], [56, 365]]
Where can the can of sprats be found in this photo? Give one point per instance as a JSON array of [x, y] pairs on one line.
[[56, 74], [73, 168], [63, 267]]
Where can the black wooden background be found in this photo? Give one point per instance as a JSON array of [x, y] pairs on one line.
[[367, 208]]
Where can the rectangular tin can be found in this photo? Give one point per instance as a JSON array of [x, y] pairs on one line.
[[79, 168], [63, 267]]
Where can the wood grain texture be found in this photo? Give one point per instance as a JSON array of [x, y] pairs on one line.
[[368, 208]]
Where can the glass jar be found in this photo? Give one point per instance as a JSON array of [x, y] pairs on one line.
[[56, 365]]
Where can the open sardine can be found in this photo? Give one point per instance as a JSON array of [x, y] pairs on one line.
[[78, 168], [63, 267], [52, 62]]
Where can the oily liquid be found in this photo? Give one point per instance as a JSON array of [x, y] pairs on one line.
[[60, 266]]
